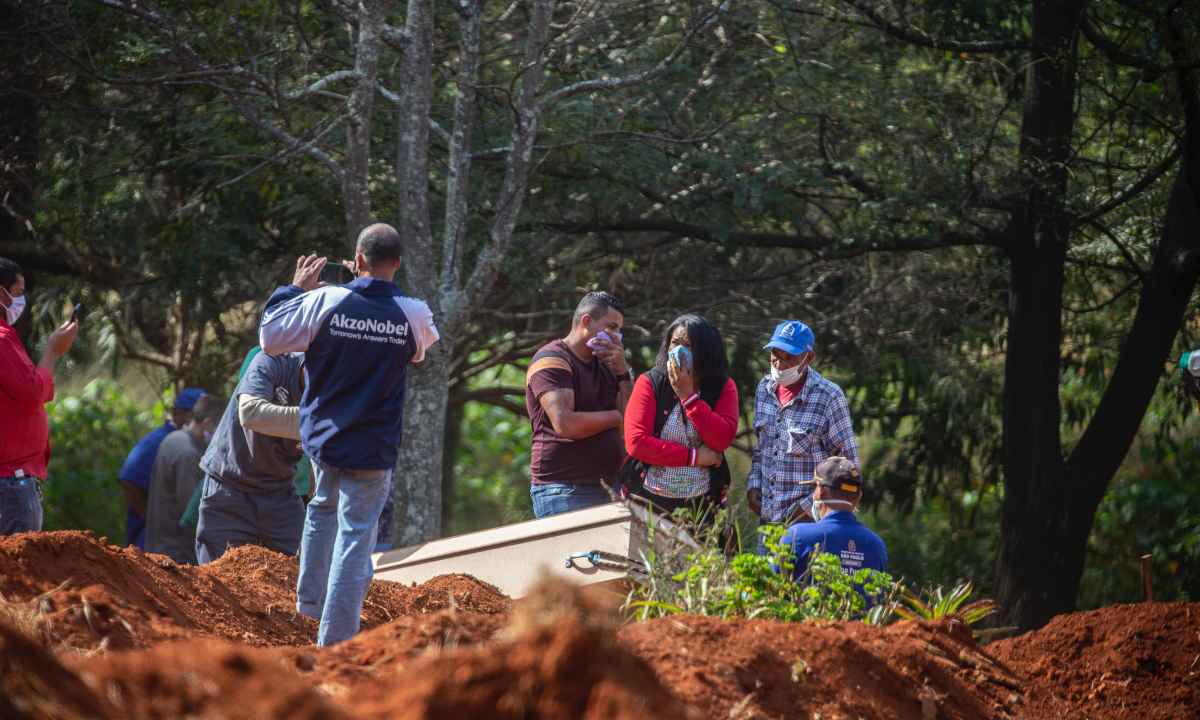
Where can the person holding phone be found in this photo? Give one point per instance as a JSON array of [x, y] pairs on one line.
[[25, 389], [681, 418], [576, 389], [358, 340]]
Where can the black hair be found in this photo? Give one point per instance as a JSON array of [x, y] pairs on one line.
[[709, 363], [9, 271], [596, 304], [379, 242]]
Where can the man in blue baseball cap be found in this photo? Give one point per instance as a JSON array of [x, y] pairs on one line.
[[135, 473], [800, 419]]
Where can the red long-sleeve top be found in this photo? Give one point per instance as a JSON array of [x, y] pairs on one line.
[[715, 425], [24, 391]]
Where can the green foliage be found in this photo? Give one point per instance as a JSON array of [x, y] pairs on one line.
[[1152, 507], [491, 470], [702, 580], [937, 604], [90, 435]]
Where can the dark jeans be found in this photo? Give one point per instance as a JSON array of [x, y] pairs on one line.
[[230, 517], [556, 498], [20, 505]]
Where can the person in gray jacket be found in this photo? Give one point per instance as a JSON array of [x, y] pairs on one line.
[[249, 497]]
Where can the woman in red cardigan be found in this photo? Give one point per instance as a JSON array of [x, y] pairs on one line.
[[680, 420]]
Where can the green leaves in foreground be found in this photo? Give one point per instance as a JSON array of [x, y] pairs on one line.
[[682, 578], [706, 582]]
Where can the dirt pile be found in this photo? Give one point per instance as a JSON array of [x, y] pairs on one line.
[[557, 658], [204, 678], [224, 641], [90, 594], [34, 685], [766, 669], [1125, 662]]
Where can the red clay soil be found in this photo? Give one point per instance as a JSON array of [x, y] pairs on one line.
[[454, 647], [34, 685], [766, 669], [558, 657], [204, 678], [1124, 662], [91, 594]]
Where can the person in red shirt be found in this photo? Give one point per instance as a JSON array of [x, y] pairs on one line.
[[681, 418], [25, 388]]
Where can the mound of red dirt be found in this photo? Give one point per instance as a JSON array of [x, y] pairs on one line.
[[34, 685], [1125, 662], [365, 657], [204, 678], [767, 669], [557, 658], [92, 594], [455, 647]]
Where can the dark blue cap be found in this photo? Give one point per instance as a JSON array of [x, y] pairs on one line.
[[793, 337], [186, 399]]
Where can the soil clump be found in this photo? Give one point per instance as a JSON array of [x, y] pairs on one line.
[[93, 595], [90, 630], [1123, 662], [768, 669]]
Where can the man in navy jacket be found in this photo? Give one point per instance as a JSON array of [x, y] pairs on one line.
[[358, 340], [838, 489]]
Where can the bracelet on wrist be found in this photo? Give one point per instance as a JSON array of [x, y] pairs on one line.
[[690, 399]]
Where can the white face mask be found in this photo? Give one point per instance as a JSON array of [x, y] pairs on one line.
[[820, 508], [791, 376], [16, 306]]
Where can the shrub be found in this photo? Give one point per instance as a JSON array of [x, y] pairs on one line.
[[699, 578], [90, 435]]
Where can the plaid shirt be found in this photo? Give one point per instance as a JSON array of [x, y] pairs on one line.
[[794, 439]]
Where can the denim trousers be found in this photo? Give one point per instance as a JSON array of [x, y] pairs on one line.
[[555, 498], [20, 505], [340, 527], [230, 517]]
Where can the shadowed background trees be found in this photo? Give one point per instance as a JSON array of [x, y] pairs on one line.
[[985, 209]]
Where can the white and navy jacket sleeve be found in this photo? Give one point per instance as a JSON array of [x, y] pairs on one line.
[[420, 319], [293, 317]]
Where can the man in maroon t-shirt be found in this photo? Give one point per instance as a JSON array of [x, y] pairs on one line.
[[575, 391]]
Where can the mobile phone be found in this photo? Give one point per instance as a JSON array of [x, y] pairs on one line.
[[78, 313], [336, 273], [682, 357]]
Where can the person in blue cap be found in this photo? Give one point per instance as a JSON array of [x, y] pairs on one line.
[[800, 419], [134, 476], [837, 489]]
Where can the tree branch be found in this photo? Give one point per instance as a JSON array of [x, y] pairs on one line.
[[917, 36], [637, 78]]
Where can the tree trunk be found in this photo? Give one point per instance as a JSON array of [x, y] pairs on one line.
[[418, 486], [451, 443], [356, 193], [418, 479], [1035, 552], [1050, 505]]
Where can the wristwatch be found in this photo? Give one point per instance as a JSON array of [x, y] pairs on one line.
[[629, 374]]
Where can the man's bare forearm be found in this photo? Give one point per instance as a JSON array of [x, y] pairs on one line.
[[581, 425]]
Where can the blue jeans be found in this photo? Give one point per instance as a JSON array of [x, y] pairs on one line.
[[20, 505], [555, 498], [230, 517], [335, 550]]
